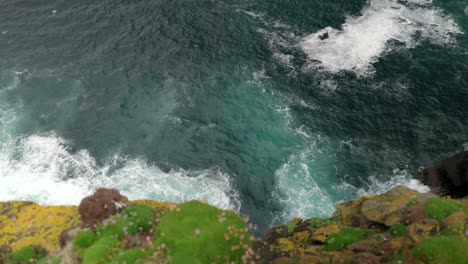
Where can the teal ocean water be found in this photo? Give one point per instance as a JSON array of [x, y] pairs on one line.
[[273, 108]]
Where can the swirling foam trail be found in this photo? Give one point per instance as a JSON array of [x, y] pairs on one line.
[[41, 168], [362, 40]]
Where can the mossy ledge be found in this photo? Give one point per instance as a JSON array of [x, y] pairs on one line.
[[399, 226]]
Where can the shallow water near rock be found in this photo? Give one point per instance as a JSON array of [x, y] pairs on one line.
[[276, 109]]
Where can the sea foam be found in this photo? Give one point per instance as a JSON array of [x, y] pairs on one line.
[[42, 168], [361, 40]]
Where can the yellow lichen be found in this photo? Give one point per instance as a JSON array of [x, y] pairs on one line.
[[301, 238], [27, 223], [158, 206], [321, 234], [417, 231], [286, 246]]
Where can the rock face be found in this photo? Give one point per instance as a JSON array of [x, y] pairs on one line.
[[102, 204], [449, 176], [386, 228]]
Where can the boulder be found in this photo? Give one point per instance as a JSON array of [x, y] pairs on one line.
[[448, 176], [102, 204], [349, 213], [386, 208]]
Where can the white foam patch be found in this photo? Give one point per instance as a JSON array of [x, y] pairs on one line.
[[42, 168], [374, 185], [363, 39], [301, 189], [307, 186]]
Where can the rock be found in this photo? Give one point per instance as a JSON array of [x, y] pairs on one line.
[[26, 223], [310, 259], [449, 176], [373, 244], [301, 238], [302, 226], [321, 234], [102, 204], [349, 213], [366, 258], [416, 232], [274, 233], [386, 208], [286, 247], [457, 220], [413, 214], [283, 260]]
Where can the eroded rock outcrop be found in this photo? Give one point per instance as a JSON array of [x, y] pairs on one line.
[[399, 226], [448, 176]]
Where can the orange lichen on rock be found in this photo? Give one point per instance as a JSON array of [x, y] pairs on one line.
[[26, 223]]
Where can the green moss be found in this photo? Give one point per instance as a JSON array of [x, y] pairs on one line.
[[397, 230], [291, 226], [443, 250], [100, 251], [26, 255], [195, 232], [318, 222], [84, 240], [439, 208], [135, 219], [50, 260], [349, 235], [412, 202], [131, 256]]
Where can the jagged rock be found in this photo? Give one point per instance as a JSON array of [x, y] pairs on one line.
[[349, 213], [102, 204], [449, 176], [386, 208], [416, 232]]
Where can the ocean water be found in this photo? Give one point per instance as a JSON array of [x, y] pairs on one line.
[[275, 109]]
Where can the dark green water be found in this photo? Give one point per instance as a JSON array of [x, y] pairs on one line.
[[274, 108]]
